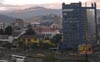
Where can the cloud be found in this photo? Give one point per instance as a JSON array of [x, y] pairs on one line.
[[1, 1], [21, 2], [5, 7], [98, 5], [13, 7], [52, 5]]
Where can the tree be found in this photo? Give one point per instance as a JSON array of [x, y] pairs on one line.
[[2, 32], [56, 38], [8, 30], [30, 31], [29, 26], [21, 44], [7, 45]]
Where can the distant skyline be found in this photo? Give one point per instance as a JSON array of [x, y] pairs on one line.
[[22, 4]]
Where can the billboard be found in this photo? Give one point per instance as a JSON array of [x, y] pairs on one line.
[[85, 49]]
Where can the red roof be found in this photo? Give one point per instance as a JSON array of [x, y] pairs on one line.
[[45, 29]]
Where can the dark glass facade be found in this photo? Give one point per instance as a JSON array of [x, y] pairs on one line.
[[79, 24]]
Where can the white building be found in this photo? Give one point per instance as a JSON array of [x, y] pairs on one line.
[[46, 31], [6, 38], [3, 25]]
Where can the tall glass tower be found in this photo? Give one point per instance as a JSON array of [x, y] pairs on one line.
[[79, 24]]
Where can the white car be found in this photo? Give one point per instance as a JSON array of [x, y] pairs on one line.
[[18, 58], [3, 61]]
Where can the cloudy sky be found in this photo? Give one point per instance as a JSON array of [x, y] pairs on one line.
[[22, 4]]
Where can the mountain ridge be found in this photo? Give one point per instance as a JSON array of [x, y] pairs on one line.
[[33, 11], [6, 19]]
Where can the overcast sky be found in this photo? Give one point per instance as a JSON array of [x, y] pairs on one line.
[[21, 4]]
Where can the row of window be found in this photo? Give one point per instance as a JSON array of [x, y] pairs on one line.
[[47, 34], [71, 40]]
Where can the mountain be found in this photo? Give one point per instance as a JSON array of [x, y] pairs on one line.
[[30, 12], [6, 19], [45, 18], [34, 8]]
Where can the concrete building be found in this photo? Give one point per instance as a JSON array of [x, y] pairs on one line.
[[79, 24], [3, 25], [46, 31], [6, 38], [19, 23]]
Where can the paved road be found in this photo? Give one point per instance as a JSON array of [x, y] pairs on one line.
[[6, 54]]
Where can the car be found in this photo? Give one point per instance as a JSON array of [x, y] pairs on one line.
[[3, 61]]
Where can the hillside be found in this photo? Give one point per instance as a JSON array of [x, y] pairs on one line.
[[30, 12], [6, 19]]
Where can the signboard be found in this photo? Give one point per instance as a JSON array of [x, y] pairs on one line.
[[85, 49]]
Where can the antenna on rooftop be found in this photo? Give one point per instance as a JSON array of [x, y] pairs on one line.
[[92, 4], [85, 4]]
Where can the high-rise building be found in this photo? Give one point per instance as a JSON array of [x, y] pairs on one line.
[[79, 24]]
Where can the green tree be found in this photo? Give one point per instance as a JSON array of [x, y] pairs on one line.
[[8, 30], [29, 26], [56, 38], [2, 32], [30, 31], [21, 44], [7, 45]]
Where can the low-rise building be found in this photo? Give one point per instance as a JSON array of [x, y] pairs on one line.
[[3, 25], [46, 31], [28, 39], [6, 38]]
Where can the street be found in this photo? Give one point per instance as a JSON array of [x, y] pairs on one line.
[[46, 55]]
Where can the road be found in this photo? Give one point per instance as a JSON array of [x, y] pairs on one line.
[[61, 57]]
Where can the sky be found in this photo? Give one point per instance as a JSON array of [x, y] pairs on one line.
[[22, 4]]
